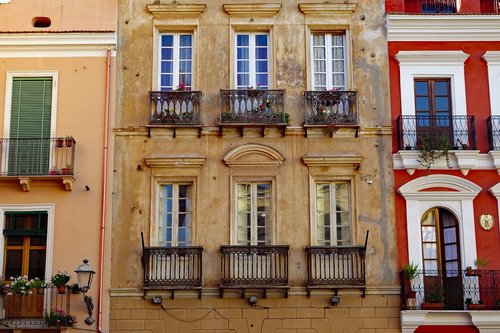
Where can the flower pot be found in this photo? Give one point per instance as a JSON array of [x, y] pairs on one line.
[[476, 306], [60, 142], [69, 142], [61, 289], [67, 171], [432, 306]]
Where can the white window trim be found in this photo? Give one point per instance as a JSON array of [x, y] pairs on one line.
[[493, 60], [329, 59], [50, 209], [458, 200], [314, 226], [251, 58], [159, 30], [175, 212], [8, 105], [234, 196], [176, 58], [155, 206], [432, 64]]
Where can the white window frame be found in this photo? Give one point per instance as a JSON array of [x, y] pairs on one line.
[[176, 58], [329, 59], [8, 105], [333, 220], [234, 195], [175, 212], [493, 60], [252, 59], [49, 208]]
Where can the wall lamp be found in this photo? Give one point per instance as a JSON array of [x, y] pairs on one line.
[[335, 300], [84, 274], [253, 300]]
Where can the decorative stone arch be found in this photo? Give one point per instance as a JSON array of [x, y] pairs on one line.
[[450, 192], [254, 154]]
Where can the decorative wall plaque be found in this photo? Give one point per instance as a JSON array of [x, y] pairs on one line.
[[486, 221]]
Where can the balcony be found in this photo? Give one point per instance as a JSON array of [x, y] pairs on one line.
[[490, 7], [48, 158], [451, 290], [172, 267], [430, 6], [261, 108], [254, 267], [336, 267], [436, 132], [331, 109], [175, 109], [494, 132], [27, 310]]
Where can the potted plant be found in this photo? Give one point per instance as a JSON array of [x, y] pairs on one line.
[[69, 141], [38, 284], [60, 280], [75, 288], [60, 142], [20, 285], [54, 171], [478, 262], [67, 170], [410, 272], [58, 318], [474, 306], [433, 299]]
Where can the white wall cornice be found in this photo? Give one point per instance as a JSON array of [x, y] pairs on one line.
[[492, 58], [435, 58], [443, 28], [34, 45]]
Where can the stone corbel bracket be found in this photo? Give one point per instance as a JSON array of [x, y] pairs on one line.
[[495, 155], [25, 183], [466, 160], [68, 183]]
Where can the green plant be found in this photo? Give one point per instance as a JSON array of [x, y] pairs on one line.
[[433, 148], [60, 279], [434, 295], [479, 262], [410, 270], [21, 285], [38, 283], [58, 318], [75, 288]]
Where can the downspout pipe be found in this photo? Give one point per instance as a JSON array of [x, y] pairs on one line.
[[104, 188]]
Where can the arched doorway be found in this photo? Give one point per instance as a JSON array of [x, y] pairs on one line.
[[441, 258]]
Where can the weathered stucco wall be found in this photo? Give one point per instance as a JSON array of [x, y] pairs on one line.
[[134, 179]]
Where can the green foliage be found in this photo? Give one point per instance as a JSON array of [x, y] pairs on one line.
[[58, 318], [480, 262], [433, 148], [60, 279], [434, 295], [410, 270]]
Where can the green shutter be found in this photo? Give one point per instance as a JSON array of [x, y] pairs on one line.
[[30, 126]]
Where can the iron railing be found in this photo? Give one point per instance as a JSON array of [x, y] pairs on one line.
[[430, 6], [37, 157], [174, 107], [331, 108], [263, 266], [33, 305], [253, 106], [451, 290], [172, 267], [490, 6], [494, 132], [436, 132], [336, 266]]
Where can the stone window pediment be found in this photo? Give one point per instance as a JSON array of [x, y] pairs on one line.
[[254, 155]]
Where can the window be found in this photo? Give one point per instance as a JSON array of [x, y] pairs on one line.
[[253, 216], [30, 125], [25, 244], [252, 60], [175, 214], [333, 213], [176, 61], [328, 61]]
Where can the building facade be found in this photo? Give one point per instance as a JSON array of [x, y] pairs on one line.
[[253, 179], [444, 79], [56, 91]]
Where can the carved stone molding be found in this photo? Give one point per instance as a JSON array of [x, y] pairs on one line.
[[25, 184], [175, 161], [254, 9], [330, 8], [254, 155], [173, 9], [332, 160]]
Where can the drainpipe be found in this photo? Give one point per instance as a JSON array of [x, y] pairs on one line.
[[104, 182]]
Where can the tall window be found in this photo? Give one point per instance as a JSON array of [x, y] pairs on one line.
[[175, 216], [328, 61], [252, 60], [30, 122], [333, 214], [25, 244], [176, 61], [253, 213]]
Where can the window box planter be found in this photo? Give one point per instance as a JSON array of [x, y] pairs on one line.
[[432, 306]]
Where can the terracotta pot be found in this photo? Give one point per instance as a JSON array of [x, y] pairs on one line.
[[432, 306], [476, 306], [61, 289]]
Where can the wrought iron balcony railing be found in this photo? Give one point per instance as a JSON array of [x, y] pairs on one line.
[[33, 305], [253, 107], [331, 108], [451, 290], [436, 132], [490, 6], [174, 107], [263, 266], [37, 157], [494, 132], [172, 267], [430, 6]]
